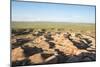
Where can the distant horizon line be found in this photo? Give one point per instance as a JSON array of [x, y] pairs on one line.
[[55, 21]]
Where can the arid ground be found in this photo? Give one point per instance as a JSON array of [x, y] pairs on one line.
[[34, 43]]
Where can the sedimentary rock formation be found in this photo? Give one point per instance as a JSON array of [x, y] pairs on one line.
[[44, 47]]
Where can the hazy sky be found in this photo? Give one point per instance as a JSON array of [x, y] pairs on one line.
[[32, 11]]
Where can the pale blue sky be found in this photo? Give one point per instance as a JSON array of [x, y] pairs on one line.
[[32, 11]]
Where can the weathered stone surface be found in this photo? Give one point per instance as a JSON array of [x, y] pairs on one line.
[[36, 59], [17, 54], [44, 47]]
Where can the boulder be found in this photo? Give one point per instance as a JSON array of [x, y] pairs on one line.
[[36, 59], [17, 54]]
